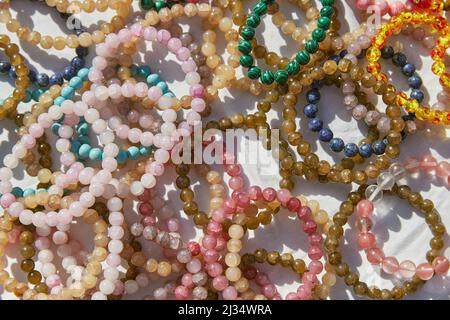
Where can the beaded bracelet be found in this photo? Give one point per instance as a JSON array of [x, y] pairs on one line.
[[427, 164], [85, 39], [302, 57], [373, 54], [335, 233], [9, 105]]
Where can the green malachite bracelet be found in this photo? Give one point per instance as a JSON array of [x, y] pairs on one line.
[[302, 57]]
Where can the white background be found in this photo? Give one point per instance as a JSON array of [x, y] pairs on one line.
[[401, 231]]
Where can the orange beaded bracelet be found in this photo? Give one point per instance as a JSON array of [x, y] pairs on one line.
[[438, 24]]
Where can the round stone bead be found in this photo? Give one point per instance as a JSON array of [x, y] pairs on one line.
[[351, 150], [267, 77], [254, 72], [281, 76]]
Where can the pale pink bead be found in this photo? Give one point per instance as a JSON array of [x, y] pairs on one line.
[[51, 218], [122, 131], [115, 91], [198, 104], [7, 199], [407, 269], [424, 271], [53, 281], [141, 89], [71, 119], [364, 208], [197, 90], [390, 265], [440, 265], [134, 135], [304, 292], [28, 141], [236, 183], [95, 76], [181, 293], [163, 36], [156, 169], [229, 293], [221, 244], [150, 33], [411, 164], [42, 243], [64, 217], [183, 54], [375, 255], [60, 237], [215, 269], [218, 215], [128, 90], [269, 291], [102, 49], [36, 130], [99, 63], [173, 225], [363, 4], [186, 280], [174, 44], [15, 208], [443, 169], [44, 120], [209, 242], [88, 97], [137, 29], [193, 118], [189, 65], [194, 266], [125, 35], [154, 93], [315, 267], [262, 279], [220, 283], [119, 288], [395, 8], [210, 255], [292, 296], [428, 163], [284, 195]]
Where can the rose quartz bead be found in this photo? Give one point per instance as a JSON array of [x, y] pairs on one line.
[[364, 208], [440, 265], [443, 169], [269, 291], [220, 283], [7, 199], [407, 269], [255, 193], [197, 90], [366, 240], [284, 195], [375, 255], [315, 267], [428, 163], [186, 280], [181, 293], [424, 271], [304, 292], [269, 194], [137, 29], [229, 293], [236, 183], [390, 265], [314, 253], [292, 296], [215, 269]]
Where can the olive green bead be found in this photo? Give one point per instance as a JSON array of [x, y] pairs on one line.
[[254, 73], [246, 60], [267, 77], [319, 34], [311, 46], [302, 57], [323, 22], [253, 20], [248, 33], [281, 76], [293, 67], [245, 46]]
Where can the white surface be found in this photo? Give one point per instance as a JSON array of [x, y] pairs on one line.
[[402, 231]]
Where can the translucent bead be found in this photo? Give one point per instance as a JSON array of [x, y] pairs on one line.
[[374, 193], [397, 170], [386, 181]]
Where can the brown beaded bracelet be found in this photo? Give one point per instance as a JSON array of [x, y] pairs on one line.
[[335, 233], [8, 109]]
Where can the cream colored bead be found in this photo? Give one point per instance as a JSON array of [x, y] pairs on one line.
[[232, 259], [233, 274], [236, 231], [234, 245]]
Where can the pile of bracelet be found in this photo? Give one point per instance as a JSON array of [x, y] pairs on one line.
[[105, 160]]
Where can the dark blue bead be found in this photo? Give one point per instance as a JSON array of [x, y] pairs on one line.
[[378, 147], [77, 63], [82, 52], [315, 124], [408, 69], [32, 75], [5, 66], [399, 59], [316, 85], [313, 96], [365, 150], [415, 81], [417, 94], [325, 135], [336, 58], [12, 73], [69, 72], [57, 78], [310, 110], [343, 53], [337, 144], [385, 141], [387, 52], [42, 80], [350, 150]]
